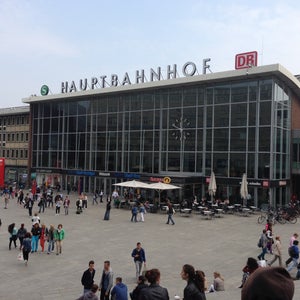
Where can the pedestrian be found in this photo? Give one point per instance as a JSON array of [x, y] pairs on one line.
[[218, 284], [84, 200], [171, 212], [87, 279], [59, 235], [277, 252], [269, 283], [21, 234], [43, 236], [101, 196], [90, 295], [154, 291], [42, 203], [134, 212], [142, 212], [269, 237], [58, 204], [35, 232], [294, 254], [12, 229], [292, 239], [107, 212], [106, 281], [139, 258], [35, 219], [95, 198], [119, 291], [29, 204], [26, 247], [263, 241], [66, 205], [195, 283], [50, 239], [135, 294], [6, 199]]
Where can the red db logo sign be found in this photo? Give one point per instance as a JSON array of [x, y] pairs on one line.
[[246, 60]]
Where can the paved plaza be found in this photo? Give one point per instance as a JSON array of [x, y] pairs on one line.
[[222, 244]]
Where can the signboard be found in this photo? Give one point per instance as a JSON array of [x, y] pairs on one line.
[[246, 60]]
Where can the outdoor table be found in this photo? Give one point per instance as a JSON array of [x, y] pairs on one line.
[[219, 212], [185, 212], [176, 207], [207, 214], [246, 211], [230, 209]]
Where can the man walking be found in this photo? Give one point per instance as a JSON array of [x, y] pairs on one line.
[[87, 278], [171, 212], [106, 281], [139, 258], [292, 239], [294, 254], [263, 245]]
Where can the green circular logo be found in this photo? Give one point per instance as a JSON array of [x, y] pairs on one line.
[[44, 90]]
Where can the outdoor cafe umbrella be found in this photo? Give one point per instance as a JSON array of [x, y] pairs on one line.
[[244, 189], [133, 184], [212, 187], [159, 186]]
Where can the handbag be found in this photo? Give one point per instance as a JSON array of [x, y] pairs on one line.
[[20, 256]]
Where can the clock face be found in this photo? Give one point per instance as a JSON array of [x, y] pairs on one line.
[[180, 127]]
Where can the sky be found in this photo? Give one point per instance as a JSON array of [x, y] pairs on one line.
[[53, 41]]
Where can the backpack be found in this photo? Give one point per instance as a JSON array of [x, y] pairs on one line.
[[259, 244]]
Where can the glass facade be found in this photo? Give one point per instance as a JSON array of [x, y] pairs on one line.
[[185, 131]]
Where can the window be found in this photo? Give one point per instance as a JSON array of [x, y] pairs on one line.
[[26, 137], [26, 154]]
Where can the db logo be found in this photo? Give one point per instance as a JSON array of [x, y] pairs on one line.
[[167, 180], [246, 60]]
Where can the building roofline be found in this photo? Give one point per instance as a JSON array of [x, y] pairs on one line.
[[276, 70], [15, 110]]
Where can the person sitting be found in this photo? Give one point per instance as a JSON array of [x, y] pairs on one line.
[[218, 284]]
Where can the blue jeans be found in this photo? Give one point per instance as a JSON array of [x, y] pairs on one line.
[[293, 264], [262, 255], [50, 246], [170, 218], [138, 268], [34, 243]]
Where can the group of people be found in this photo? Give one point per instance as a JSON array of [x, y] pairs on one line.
[[148, 282], [268, 244], [39, 234]]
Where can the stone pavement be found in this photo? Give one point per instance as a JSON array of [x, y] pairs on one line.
[[222, 245]]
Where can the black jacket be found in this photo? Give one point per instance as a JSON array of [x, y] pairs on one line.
[[191, 292], [87, 279], [136, 292], [154, 292]]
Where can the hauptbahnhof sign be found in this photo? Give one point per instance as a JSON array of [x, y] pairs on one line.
[[104, 81]]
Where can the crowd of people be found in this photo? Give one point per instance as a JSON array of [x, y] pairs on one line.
[[148, 282], [30, 241]]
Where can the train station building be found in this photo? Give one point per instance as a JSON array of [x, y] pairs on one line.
[[178, 129]]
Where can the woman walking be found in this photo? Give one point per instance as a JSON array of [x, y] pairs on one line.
[[107, 212], [26, 247], [43, 235], [50, 238]]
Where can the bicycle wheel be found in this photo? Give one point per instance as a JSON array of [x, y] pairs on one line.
[[261, 219], [281, 220], [293, 220]]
